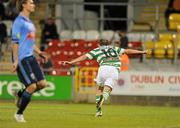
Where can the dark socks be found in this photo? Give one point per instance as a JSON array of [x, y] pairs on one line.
[[26, 97]]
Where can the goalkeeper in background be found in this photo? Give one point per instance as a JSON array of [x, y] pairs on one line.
[[24, 62], [108, 58]]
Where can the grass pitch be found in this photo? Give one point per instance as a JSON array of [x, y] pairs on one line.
[[58, 115]]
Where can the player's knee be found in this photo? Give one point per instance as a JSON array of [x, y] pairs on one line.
[[31, 88], [107, 88], [41, 84]]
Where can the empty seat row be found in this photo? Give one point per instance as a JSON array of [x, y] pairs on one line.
[[68, 45], [112, 35], [86, 35], [174, 21], [107, 34], [140, 36], [160, 49], [169, 36]]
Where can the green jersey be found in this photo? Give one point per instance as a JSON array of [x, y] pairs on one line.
[[106, 55]]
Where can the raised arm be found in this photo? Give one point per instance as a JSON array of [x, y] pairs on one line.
[[78, 59], [133, 51]]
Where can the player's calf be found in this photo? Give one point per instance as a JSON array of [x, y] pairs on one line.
[[99, 101], [18, 96]]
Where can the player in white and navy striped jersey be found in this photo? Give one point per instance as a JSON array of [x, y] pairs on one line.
[[109, 67]]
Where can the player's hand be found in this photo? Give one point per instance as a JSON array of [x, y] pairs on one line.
[[15, 65], [149, 51], [146, 52], [43, 57], [66, 62]]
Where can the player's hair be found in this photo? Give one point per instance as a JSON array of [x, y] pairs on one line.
[[104, 42], [19, 4]]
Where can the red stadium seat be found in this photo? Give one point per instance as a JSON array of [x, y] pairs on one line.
[[53, 47], [84, 63], [60, 73], [135, 45], [79, 44], [53, 43], [91, 44], [94, 63], [68, 44], [89, 63]]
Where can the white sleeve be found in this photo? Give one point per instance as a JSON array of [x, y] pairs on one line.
[[122, 51], [89, 56]]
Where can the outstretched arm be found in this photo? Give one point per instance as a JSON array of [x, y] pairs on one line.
[[78, 59], [132, 51]]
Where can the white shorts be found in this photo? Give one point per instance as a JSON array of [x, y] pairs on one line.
[[107, 75]]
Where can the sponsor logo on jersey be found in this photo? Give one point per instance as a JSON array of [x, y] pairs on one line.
[[31, 35]]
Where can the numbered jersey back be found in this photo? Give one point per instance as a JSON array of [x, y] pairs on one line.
[[106, 55]]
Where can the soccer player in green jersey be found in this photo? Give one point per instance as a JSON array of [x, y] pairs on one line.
[[109, 67]]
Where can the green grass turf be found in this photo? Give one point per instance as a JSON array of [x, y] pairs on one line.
[[59, 115]]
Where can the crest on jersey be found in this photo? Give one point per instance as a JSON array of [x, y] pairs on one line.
[[18, 35]]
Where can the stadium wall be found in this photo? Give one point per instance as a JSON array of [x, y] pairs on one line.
[[63, 88], [134, 87], [58, 88]]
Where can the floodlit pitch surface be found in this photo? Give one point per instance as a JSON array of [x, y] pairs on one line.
[[58, 115]]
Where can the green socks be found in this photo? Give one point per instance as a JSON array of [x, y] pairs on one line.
[[97, 99]]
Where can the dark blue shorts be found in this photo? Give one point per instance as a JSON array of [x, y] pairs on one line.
[[29, 71]]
